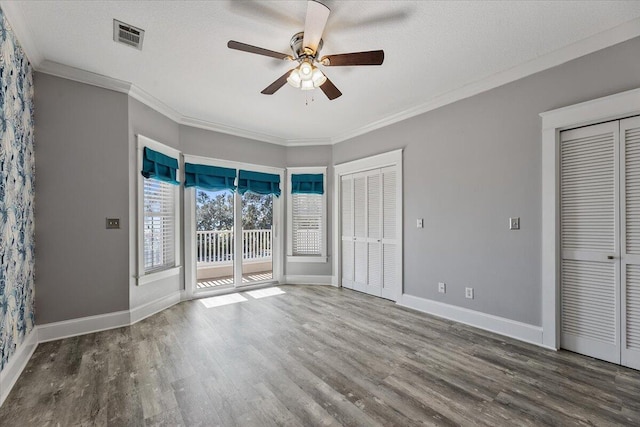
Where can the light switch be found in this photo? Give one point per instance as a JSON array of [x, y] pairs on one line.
[[113, 223], [514, 223], [419, 223]]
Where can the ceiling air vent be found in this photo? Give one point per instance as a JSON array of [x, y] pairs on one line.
[[127, 34]]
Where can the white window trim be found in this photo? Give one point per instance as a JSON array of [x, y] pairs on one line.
[[322, 258], [142, 277], [190, 225], [613, 107]]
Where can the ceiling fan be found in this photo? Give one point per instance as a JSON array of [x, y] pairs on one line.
[[306, 47]]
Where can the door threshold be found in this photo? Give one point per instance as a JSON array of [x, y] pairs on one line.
[[226, 291]]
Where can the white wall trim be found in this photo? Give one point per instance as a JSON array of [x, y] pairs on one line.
[[152, 307], [298, 279], [500, 325], [610, 37], [230, 130], [611, 107], [18, 361], [81, 326]]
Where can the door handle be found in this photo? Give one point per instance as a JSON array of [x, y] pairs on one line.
[[611, 257]]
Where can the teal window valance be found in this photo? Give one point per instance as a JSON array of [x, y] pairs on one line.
[[259, 183], [159, 166], [307, 183], [209, 177]]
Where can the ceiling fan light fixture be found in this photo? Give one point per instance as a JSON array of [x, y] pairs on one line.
[[294, 78], [306, 71], [318, 77], [307, 85]]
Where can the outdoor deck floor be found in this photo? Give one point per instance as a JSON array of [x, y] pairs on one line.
[[218, 282]]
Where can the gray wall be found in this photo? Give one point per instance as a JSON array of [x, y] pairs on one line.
[[206, 143], [314, 156], [148, 122], [471, 165], [82, 177]]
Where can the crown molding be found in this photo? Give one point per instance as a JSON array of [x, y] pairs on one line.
[[151, 101], [615, 35], [230, 130], [83, 76]]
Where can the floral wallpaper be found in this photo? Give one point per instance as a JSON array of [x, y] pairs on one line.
[[16, 194]]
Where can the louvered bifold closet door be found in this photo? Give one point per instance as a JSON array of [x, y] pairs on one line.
[[374, 233], [390, 262], [590, 265], [360, 231], [346, 221], [630, 269]]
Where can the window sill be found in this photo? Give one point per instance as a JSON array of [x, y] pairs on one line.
[[291, 258], [159, 275]]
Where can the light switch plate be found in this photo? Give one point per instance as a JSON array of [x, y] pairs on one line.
[[468, 293], [442, 287], [514, 223], [113, 223], [419, 223]]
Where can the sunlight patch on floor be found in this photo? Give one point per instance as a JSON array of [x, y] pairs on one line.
[[222, 300], [268, 292]]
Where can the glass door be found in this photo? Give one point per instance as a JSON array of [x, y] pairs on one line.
[[215, 254], [257, 238], [235, 242]]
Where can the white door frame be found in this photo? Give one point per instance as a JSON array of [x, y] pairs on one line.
[[190, 225], [391, 158], [613, 107]]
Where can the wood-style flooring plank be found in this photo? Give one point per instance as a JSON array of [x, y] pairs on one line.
[[313, 356]]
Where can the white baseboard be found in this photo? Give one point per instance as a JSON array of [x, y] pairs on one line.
[[296, 279], [153, 307], [500, 325], [18, 361], [83, 325]]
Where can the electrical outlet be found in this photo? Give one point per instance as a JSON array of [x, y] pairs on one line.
[[113, 223], [442, 287], [514, 223], [419, 223], [468, 293]]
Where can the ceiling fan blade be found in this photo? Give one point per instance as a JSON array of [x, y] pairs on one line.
[[317, 15], [257, 50], [330, 90], [273, 87], [373, 57]]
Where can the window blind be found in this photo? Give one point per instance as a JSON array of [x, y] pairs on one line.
[[159, 225], [209, 177], [307, 224]]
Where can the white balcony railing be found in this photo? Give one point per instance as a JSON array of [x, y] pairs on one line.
[[216, 247]]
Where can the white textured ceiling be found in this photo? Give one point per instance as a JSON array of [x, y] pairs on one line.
[[431, 49]]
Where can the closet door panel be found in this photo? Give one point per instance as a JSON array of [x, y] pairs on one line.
[[630, 292], [346, 223], [590, 241]]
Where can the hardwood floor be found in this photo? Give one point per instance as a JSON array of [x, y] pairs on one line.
[[313, 356]]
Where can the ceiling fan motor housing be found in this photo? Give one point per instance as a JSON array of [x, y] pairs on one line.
[[299, 52]]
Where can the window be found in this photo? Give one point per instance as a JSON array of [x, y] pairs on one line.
[[158, 228], [159, 225], [307, 215], [307, 224]]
